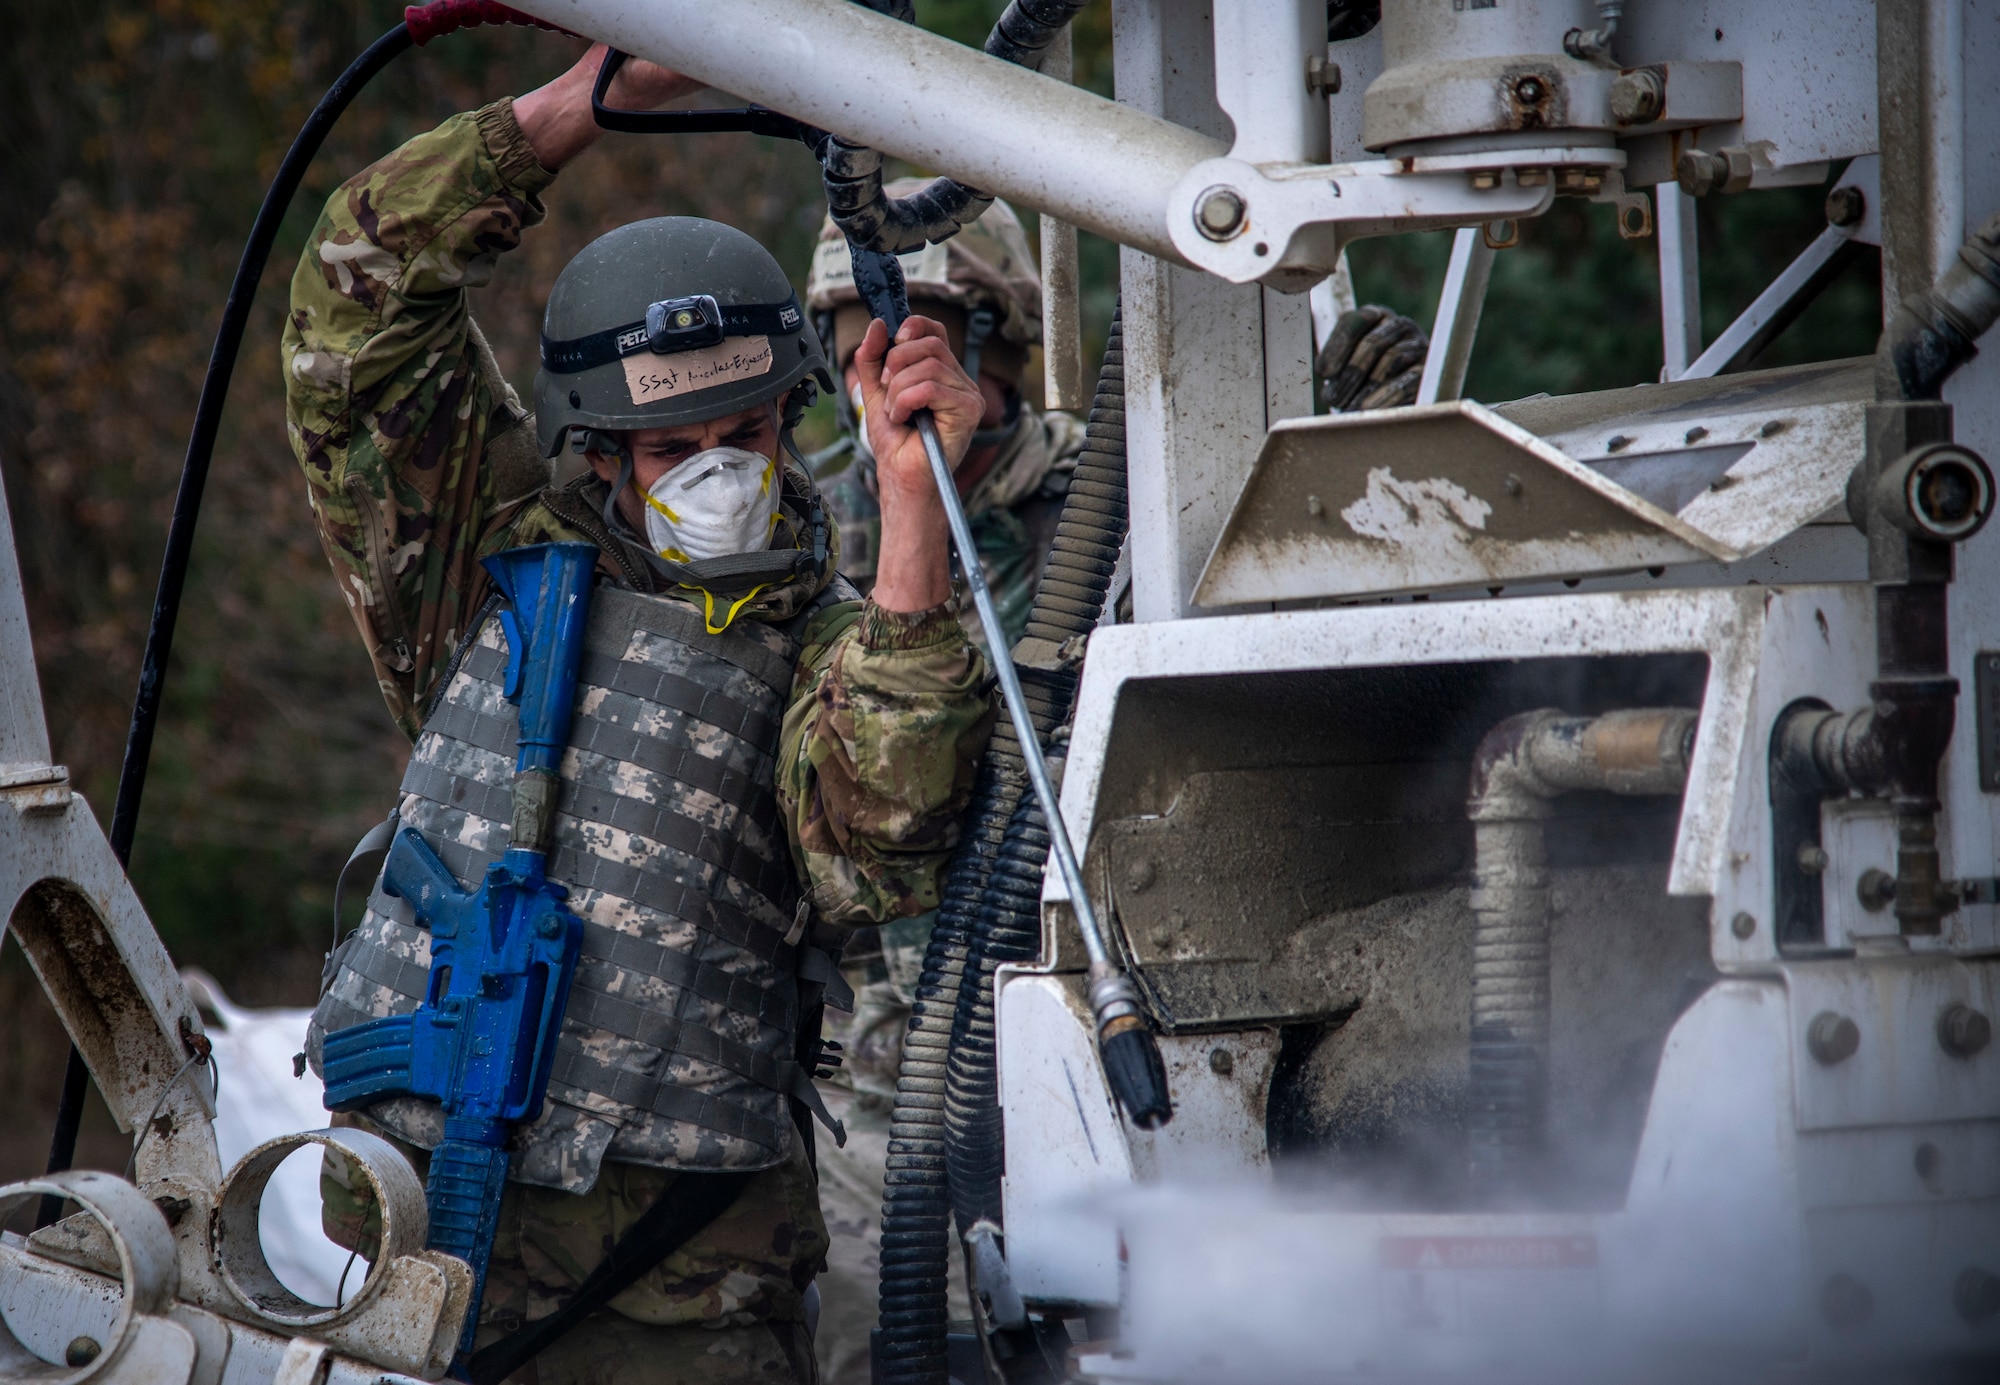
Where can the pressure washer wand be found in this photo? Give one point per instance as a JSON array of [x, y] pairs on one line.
[[1124, 1039]]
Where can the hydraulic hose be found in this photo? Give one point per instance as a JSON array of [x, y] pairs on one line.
[[853, 173], [920, 1183], [1007, 925], [420, 25]]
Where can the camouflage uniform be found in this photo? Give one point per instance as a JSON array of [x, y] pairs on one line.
[[420, 461], [1013, 509]]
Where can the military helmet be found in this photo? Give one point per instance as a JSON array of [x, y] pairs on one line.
[[987, 265], [669, 321]]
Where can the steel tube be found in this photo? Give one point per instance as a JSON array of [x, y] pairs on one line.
[[1062, 321], [1519, 766], [1680, 280], [891, 86], [1460, 303]]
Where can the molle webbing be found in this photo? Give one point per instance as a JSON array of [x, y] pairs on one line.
[[680, 1029]]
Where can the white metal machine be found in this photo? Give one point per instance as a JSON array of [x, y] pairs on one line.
[[1556, 840]]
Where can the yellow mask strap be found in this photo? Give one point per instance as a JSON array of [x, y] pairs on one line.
[[708, 606], [659, 505]]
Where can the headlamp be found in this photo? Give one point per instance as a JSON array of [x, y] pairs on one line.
[[682, 324]]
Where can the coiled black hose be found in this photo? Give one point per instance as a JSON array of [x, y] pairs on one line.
[[945, 1131], [1028, 27], [1007, 925], [853, 173]]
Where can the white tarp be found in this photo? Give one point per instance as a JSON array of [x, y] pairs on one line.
[[259, 1100]]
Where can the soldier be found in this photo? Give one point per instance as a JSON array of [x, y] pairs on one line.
[[983, 285], [759, 758]]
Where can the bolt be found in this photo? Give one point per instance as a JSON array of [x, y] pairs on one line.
[[1486, 179], [549, 925], [81, 1351], [1772, 428], [1963, 1031], [1832, 1038], [1846, 207], [1638, 98], [1512, 485], [1744, 926], [1315, 506], [1219, 213], [1695, 434], [1813, 859], [1139, 874], [1700, 172], [1322, 77], [1846, 1301], [1222, 1061], [1976, 1295], [1161, 935], [1876, 889], [1618, 442], [1531, 177], [1531, 91]]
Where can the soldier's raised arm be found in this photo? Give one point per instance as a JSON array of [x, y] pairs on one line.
[[411, 441]]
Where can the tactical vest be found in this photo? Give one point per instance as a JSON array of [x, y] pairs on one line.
[[678, 1049]]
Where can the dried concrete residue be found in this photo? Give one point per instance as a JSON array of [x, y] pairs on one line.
[[1378, 1102]]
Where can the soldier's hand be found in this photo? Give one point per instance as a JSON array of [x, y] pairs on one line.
[[557, 120], [1373, 359], [916, 371], [638, 85]]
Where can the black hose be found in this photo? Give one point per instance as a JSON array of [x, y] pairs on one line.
[[938, 1083], [187, 507], [1024, 32], [1007, 925], [870, 217]]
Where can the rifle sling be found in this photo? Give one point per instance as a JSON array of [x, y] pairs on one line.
[[689, 1204]]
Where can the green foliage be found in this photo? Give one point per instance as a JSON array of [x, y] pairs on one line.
[[1576, 307]]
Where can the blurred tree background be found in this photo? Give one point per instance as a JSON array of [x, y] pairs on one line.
[[140, 135]]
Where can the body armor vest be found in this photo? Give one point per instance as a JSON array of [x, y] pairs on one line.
[[678, 1049]]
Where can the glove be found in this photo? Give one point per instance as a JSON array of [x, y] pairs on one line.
[[1373, 359]]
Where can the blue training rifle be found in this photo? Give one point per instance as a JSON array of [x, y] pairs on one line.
[[502, 957]]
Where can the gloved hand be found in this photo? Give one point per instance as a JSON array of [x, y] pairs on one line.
[[1374, 359]]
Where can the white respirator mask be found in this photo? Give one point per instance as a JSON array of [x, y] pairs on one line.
[[714, 504]]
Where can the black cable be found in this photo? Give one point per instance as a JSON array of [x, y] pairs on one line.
[[187, 507]]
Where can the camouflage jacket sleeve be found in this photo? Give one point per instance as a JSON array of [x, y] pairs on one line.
[[393, 397], [886, 726]]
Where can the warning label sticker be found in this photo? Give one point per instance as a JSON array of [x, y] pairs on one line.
[[1488, 1252]]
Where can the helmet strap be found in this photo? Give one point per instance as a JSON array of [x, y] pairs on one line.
[[979, 324], [610, 511]]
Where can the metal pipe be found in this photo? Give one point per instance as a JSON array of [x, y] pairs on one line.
[[891, 86], [1062, 284], [1680, 280], [1778, 306], [1520, 765], [1932, 333], [1460, 304]]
